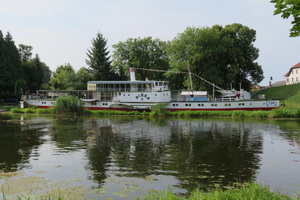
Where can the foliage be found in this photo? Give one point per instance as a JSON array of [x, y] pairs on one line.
[[288, 8], [82, 77], [64, 78], [222, 55], [20, 88], [69, 105], [144, 53], [247, 191], [158, 110], [37, 73], [98, 61], [25, 52], [10, 65]]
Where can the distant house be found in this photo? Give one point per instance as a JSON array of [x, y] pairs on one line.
[[293, 76]]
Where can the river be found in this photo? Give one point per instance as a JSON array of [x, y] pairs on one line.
[[125, 157]]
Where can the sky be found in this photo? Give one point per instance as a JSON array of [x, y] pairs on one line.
[[61, 31]]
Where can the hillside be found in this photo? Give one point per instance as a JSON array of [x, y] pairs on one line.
[[289, 94]]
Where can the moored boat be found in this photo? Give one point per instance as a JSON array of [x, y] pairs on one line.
[[143, 95]]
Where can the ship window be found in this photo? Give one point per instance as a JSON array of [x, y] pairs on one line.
[[156, 95], [120, 93], [128, 94]]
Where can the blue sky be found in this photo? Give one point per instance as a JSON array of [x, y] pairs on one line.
[[61, 31]]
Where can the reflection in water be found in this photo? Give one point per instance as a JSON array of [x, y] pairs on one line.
[[203, 154], [113, 153], [17, 142]]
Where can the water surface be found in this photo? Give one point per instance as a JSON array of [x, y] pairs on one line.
[[124, 157]]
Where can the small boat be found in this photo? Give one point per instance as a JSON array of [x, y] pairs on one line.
[[143, 95]]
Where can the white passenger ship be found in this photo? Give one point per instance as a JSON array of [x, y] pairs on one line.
[[142, 95]]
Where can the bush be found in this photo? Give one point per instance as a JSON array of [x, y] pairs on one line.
[[159, 110], [68, 105]]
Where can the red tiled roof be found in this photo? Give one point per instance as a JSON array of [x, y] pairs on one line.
[[295, 66]]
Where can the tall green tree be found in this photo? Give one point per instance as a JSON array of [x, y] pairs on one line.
[[289, 8], [225, 56], [98, 61], [37, 74], [141, 52], [25, 52], [83, 77], [10, 65], [64, 78]]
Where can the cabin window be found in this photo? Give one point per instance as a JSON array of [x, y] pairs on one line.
[[156, 95], [200, 104], [187, 104], [128, 94], [175, 104]]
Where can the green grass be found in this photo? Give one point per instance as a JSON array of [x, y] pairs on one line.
[[249, 191], [68, 105], [281, 92]]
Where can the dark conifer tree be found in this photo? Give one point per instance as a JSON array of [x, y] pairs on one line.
[[98, 61], [10, 65]]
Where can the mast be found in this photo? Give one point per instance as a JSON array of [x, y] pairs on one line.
[[190, 75]]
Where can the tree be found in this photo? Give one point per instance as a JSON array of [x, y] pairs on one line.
[[10, 65], [64, 78], [288, 8], [99, 64], [37, 73], [82, 78], [223, 56], [145, 53], [25, 52]]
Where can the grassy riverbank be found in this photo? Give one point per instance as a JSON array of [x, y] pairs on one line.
[[249, 191], [277, 113]]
